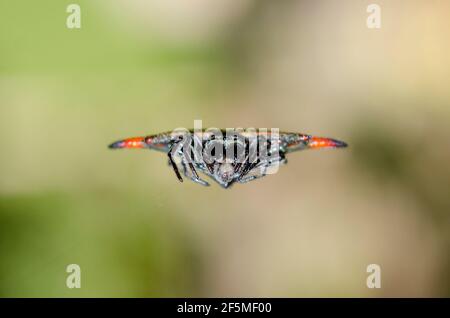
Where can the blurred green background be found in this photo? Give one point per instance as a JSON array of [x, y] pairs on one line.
[[142, 67]]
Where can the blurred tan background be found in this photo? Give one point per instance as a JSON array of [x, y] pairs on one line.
[[141, 67]]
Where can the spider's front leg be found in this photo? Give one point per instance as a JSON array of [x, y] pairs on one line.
[[255, 171], [259, 170], [194, 176], [188, 167], [186, 161], [174, 165]]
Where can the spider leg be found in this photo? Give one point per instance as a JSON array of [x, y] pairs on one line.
[[198, 180], [262, 166], [250, 178], [248, 166], [174, 166], [186, 159], [241, 167], [259, 174], [193, 177]]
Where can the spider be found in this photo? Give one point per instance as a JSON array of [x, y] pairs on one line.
[[227, 156]]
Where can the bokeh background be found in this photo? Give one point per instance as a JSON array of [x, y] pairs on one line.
[[141, 67]]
